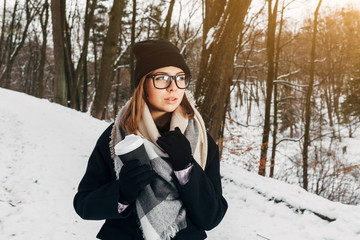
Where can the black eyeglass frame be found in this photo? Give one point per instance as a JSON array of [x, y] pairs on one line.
[[152, 76]]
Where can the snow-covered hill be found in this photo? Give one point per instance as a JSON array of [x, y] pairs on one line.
[[44, 149]]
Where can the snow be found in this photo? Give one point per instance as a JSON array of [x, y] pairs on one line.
[[210, 37], [44, 150]]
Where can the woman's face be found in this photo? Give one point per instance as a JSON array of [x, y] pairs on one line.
[[164, 100]]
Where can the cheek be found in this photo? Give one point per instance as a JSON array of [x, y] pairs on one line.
[[181, 93], [151, 93], [153, 100]]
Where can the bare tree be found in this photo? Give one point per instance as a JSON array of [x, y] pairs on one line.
[[276, 70], [3, 22], [270, 46], [44, 19], [60, 86], [165, 31], [132, 57], [107, 61], [276, 73], [68, 79], [308, 99], [222, 28], [14, 50], [80, 72]]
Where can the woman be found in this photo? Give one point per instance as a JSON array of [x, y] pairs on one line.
[[178, 195]]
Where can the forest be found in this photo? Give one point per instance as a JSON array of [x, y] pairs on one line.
[[302, 73]]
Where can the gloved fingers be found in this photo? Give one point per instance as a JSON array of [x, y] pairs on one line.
[[169, 135], [138, 171], [178, 134], [173, 134], [177, 129], [130, 165], [163, 143], [146, 178]]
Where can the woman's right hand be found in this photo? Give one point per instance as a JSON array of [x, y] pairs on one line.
[[133, 178]]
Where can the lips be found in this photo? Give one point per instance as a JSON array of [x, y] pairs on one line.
[[171, 99]]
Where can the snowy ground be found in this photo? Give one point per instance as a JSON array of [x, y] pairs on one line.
[[43, 154]]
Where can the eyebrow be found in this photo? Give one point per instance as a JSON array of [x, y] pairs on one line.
[[167, 73]]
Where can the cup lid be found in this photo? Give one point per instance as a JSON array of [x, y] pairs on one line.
[[128, 144]]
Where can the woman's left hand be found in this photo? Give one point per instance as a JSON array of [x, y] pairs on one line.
[[178, 148]]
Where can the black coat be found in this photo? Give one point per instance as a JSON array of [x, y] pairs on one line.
[[98, 196]]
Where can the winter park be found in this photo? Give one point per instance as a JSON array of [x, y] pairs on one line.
[[248, 112]]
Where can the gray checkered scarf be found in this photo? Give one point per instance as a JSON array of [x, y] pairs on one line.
[[159, 208]]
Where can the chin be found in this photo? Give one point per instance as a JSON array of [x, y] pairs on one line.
[[171, 108]]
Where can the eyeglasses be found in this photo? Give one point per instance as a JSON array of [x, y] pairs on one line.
[[163, 81]]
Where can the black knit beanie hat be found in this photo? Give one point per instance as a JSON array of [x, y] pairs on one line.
[[154, 54]]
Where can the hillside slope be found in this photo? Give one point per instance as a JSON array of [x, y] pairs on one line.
[[44, 149]]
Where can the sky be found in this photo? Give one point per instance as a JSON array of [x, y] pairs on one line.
[[297, 11], [303, 8]]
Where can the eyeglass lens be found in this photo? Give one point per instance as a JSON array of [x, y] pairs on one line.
[[164, 81]]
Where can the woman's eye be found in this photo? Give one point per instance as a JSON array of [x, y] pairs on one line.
[[162, 77], [180, 78]]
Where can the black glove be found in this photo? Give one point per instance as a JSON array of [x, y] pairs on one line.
[[178, 148], [133, 178]]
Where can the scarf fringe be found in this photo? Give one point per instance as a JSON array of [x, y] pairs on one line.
[[168, 234]]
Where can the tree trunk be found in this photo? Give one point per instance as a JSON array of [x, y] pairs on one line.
[[213, 12], [215, 77], [118, 84], [2, 34], [79, 72], [60, 87], [117, 92], [85, 87], [44, 24], [270, 47], [132, 57], [96, 69], [107, 61], [308, 100], [327, 95], [328, 102], [165, 32], [69, 65], [8, 47], [277, 61]]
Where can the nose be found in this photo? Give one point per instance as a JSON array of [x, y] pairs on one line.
[[172, 86]]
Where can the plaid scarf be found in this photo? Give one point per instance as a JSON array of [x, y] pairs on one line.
[[159, 208]]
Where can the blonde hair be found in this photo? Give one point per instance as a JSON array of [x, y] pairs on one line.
[[131, 118]]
